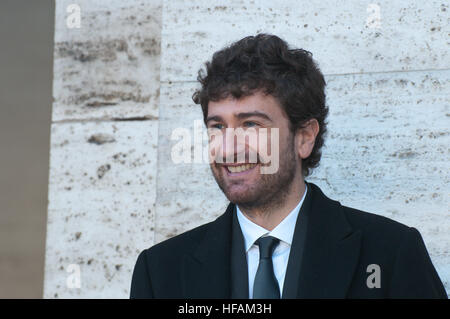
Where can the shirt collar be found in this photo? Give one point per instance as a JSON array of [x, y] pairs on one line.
[[283, 231]]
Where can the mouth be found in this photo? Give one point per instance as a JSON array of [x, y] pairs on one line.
[[239, 169]]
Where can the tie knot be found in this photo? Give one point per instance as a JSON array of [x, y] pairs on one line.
[[266, 246]]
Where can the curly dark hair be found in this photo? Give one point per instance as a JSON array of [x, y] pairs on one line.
[[266, 63]]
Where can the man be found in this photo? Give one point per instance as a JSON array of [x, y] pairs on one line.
[[280, 236]]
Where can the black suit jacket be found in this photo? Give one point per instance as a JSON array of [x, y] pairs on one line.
[[330, 253]]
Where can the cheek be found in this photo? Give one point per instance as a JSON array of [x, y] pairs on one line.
[[277, 142], [289, 148], [268, 140]]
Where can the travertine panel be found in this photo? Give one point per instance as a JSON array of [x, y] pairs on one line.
[[109, 67], [344, 36], [102, 183], [101, 206]]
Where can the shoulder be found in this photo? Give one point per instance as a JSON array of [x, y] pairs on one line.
[[373, 225], [172, 249], [368, 221], [384, 236], [158, 266], [362, 220]]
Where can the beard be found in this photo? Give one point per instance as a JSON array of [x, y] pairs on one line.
[[264, 190]]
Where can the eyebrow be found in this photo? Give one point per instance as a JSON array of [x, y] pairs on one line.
[[241, 116]]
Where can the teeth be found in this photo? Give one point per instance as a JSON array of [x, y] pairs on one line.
[[240, 168]]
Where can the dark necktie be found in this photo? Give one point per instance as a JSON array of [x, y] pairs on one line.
[[266, 285]]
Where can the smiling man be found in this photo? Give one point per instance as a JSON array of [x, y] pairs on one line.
[[280, 237]]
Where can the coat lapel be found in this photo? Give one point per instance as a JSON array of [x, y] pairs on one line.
[[325, 255], [206, 272], [239, 267], [290, 287], [331, 250]]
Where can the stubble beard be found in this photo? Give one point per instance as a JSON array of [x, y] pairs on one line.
[[270, 190]]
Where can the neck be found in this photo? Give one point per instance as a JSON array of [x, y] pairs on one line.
[[272, 213]]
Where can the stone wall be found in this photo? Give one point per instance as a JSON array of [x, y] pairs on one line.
[[103, 159], [113, 187]]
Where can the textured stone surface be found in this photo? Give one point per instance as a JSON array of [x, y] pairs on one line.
[[102, 183], [101, 205], [109, 67], [412, 35]]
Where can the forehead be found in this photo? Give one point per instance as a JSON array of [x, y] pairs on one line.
[[256, 102]]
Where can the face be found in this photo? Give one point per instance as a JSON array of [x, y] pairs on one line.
[[247, 185]]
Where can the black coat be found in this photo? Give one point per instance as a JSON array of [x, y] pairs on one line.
[[340, 243]]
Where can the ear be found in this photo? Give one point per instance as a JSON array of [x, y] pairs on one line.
[[305, 138]]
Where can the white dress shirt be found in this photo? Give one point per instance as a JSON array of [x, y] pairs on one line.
[[284, 231]]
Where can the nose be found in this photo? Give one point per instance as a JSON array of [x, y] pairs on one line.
[[227, 146], [233, 147]]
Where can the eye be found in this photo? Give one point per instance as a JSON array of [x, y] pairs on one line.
[[250, 124], [217, 126]]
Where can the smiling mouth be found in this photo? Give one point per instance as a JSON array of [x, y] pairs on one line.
[[240, 168]]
